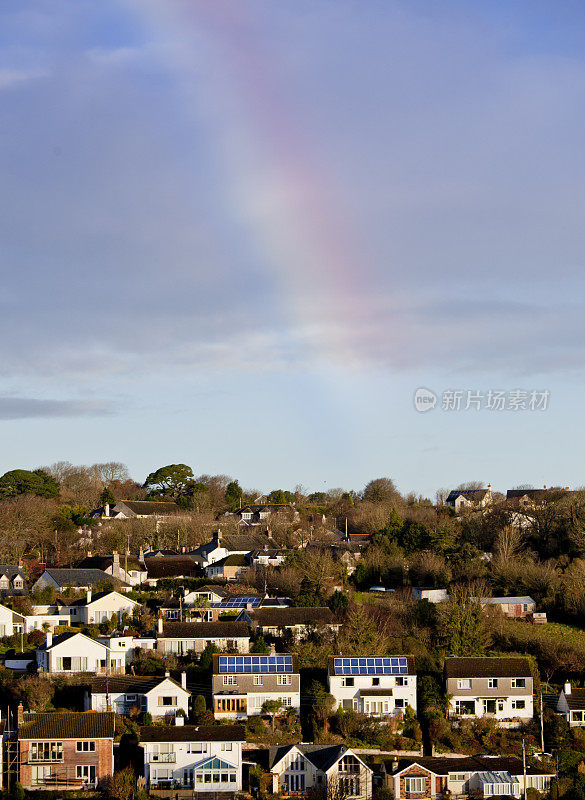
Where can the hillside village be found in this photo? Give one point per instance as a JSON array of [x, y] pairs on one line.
[[194, 638]]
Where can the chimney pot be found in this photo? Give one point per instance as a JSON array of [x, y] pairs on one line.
[[88, 595], [567, 688], [20, 714], [160, 624], [49, 641], [167, 673], [184, 679]]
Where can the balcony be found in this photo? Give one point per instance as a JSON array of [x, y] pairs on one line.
[[162, 758]]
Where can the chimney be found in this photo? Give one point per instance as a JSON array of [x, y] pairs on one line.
[[272, 650], [394, 764], [141, 555], [179, 720], [167, 673], [20, 714], [106, 509], [184, 679], [89, 553], [49, 642], [20, 561], [88, 596], [116, 564], [218, 534], [567, 689], [160, 625], [544, 487]]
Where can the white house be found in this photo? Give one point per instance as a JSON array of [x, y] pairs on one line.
[[154, 694], [469, 499], [336, 769], [11, 622], [120, 645], [75, 652], [382, 686], [498, 687], [198, 758], [432, 595], [93, 609], [571, 705], [43, 622], [242, 684], [61, 579], [127, 568], [180, 638]]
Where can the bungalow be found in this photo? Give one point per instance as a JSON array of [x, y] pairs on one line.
[[278, 620], [138, 509], [75, 652], [61, 579], [469, 499], [12, 580], [202, 758], [471, 776], [511, 607], [382, 686], [180, 638], [242, 684], [571, 705], [130, 569], [229, 568], [239, 544], [158, 695], [260, 514], [11, 622], [65, 750], [498, 687], [101, 607], [337, 770]]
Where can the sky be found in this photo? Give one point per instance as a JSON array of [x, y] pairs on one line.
[[241, 234]]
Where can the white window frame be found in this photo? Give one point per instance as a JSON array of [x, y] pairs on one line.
[[518, 683], [230, 680], [464, 683], [411, 784], [492, 683]]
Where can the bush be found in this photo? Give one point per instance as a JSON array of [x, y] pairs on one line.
[[147, 718]]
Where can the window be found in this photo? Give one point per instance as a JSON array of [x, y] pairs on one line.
[[230, 680], [519, 704], [226, 746], [465, 707], [401, 680], [85, 747], [258, 681], [167, 701], [46, 751], [375, 681], [347, 681], [464, 683], [196, 747], [415, 785], [460, 778], [284, 680], [85, 772], [518, 683], [489, 706], [577, 716], [40, 774], [399, 702], [492, 683]]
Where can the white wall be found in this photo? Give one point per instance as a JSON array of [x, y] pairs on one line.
[[185, 759], [341, 692]]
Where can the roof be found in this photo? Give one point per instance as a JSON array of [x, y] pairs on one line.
[[515, 494], [576, 700], [68, 725], [470, 494], [63, 637], [322, 756], [446, 765], [10, 570], [284, 616], [234, 560], [374, 665], [496, 601], [171, 567], [192, 733], [105, 562], [133, 684], [148, 507], [246, 542], [204, 630], [249, 663], [488, 667], [81, 577], [98, 596]]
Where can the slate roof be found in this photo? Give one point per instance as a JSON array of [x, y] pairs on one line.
[[294, 669], [10, 570], [204, 630], [470, 494], [322, 756], [576, 700], [496, 601], [63, 637], [444, 766], [487, 667], [81, 577], [105, 562], [288, 616], [538, 494], [192, 733], [98, 596], [129, 684], [410, 664], [171, 567], [148, 507], [234, 560], [68, 725]]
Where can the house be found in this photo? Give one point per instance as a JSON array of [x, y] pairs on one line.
[[138, 509], [382, 686], [200, 609], [61, 579], [511, 607], [278, 620], [47, 622], [120, 645], [12, 580], [158, 695], [337, 770], [11, 622], [181, 638], [469, 499], [261, 513], [242, 684], [240, 544], [266, 557], [531, 498], [65, 750], [571, 704], [175, 567], [432, 595], [497, 687], [203, 758], [471, 776], [93, 609], [342, 552], [75, 652], [130, 569], [229, 568]]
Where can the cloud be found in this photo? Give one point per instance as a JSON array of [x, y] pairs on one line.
[[12, 408], [12, 78]]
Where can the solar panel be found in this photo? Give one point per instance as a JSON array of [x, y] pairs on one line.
[[237, 602], [395, 665], [255, 664]]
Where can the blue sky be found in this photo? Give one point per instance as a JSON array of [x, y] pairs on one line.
[[241, 234]]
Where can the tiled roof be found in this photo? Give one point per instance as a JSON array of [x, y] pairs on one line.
[[322, 756], [192, 733], [10, 570], [171, 567], [576, 700], [148, 507], [204, 630], [81, 577], [68, 725], [234, 560], [104, 562], [470, 494], [292, 615], [487, 667], [98, 596], [444, 766], [133, 684]]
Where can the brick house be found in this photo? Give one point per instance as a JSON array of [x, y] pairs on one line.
[[65, 750]]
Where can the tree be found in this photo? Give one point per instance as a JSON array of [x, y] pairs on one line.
[[260, 646], [23, 481], [321, 704], [272, 707], [360, 634], [107, 496], [206, 657], [281, 497], [171, 481], [199, 707], [122, 784], [18, 792], [381, 490], [338, 602], [233, 494], [69, 518], [464, 621]]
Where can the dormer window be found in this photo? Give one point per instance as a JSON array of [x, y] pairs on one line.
[[246, 515]]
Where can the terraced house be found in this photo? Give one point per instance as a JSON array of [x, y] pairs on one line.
[[242, 684], [490, 687]]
